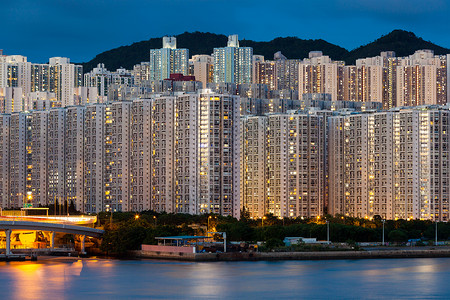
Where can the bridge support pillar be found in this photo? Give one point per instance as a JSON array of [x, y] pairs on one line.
[[83, 239], [8, 241], [52, 239]]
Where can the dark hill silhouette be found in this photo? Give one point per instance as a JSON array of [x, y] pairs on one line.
[[402, 42]]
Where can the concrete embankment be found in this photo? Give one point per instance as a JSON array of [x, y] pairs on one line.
[[12, 257], [323, 255]]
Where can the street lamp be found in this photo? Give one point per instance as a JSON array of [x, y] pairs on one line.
[[136, 217], [383, 221], [154, 218], [435, 242], [108, 208], [328, 231], [262, 221], [209, 217]]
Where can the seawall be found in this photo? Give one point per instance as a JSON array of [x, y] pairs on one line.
[[323, 255]]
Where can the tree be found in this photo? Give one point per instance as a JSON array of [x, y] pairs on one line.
[[239, 231], [398, 235], [273, 243], [245, 214]]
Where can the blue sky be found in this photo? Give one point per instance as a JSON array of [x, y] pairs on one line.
[[80, 29]]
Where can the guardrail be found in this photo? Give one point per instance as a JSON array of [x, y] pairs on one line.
[[69, 220]]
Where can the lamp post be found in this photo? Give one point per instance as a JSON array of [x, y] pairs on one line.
[[154, 218], [209, 217], [262, 221], [224, 235], [109, 208], [435, 241], [383, 221], [328, 231]]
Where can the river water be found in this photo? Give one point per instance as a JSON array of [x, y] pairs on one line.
[[59, 278]]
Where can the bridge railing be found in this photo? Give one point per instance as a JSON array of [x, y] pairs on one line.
[[66, 247], [67, 220]]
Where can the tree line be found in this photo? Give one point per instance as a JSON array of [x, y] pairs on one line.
[[128, 231]]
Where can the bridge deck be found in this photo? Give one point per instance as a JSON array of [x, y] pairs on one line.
[[72, 229]]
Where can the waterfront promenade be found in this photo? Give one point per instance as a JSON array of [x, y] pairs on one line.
[[417, 252]]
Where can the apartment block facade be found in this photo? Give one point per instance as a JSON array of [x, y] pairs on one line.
[[393, 164], [168, 60], [283, 164], [126, 156], [233, 64]]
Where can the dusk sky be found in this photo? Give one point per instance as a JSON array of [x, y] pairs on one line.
[[80, 29]]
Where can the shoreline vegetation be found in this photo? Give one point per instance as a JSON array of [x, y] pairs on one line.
[[351, 238]]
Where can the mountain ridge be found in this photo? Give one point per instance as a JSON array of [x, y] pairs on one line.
[[402, 42]]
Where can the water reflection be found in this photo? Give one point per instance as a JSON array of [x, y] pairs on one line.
[[101, 278], [34, 280]]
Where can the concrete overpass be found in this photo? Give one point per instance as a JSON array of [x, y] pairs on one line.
[[9, 226]]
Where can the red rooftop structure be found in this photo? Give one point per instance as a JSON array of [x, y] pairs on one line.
[[180, 77]]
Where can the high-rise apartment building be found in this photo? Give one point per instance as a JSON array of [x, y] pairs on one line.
[[283, 164], [253, 165], [4, 160], [59, 76], [118, 169], [42, 76], [278, 74], [287, 71], [418, 79], [141, 155], [122, 156], [56, 155], [15, 72], [163, 154], [12, 100], [64, 77], [265, 72], [39, 157], [363, 83], [203, 68], [233, 64], [388, 64], [186, 152], [195, 158], [20, 160], [296, 165], [168, 60], [74, 157], [394, 164], [218, 154], [95, 161], [318, 74], [422, 79], [141, 73], [40, 101], [86, 95], [100, 78]]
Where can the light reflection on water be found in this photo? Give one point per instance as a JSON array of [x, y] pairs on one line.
[[59, 278]]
